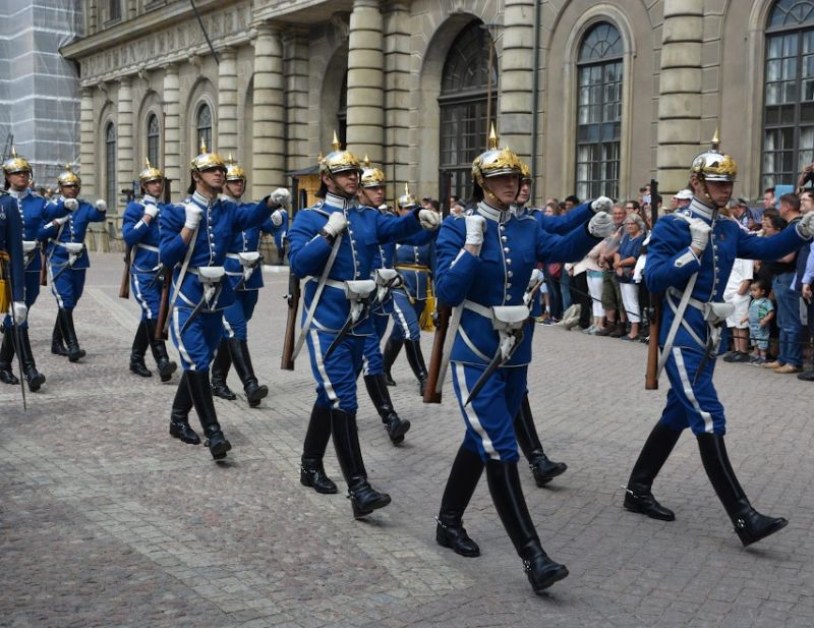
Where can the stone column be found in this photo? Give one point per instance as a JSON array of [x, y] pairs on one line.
[[296, 104], [679, 132], [396, 97], [124, 144], [227, 104], [172, 131], [516, 100], [88, 143], [268, 117], [365, 130]]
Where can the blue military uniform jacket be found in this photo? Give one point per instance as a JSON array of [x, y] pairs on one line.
[[246, 241], [32, 212], [72, 231], [11, 242], [359, 247], [415, 261], [142, 237]]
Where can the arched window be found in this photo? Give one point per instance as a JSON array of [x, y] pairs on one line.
[[467, 86], [788, 117], [342, 114], [110, 165], [599, 112], [203, 121], [153, 134]]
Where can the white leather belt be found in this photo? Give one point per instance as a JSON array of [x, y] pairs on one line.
[[148, 247]]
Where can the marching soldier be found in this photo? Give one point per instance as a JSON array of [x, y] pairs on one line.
[[30, 208], [689, 258], [12, 264], [67, 221], [280, 234], [485, 263], [415, 261], [332, 245], [243, 267], [194, 239], [141, 235]]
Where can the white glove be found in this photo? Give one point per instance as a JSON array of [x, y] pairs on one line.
[[277, 218], [101, 205], [475, 228], [151, 210], [193, 215], [536, 277], [805, 228], [601, 224], [602, 204], [429, 219], [71, 204], [699, 231], [61, 221], [20, 310], [336, 224], [281, 196]]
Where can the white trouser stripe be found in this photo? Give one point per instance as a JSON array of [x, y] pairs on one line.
[[56, 294], [326, 382], [469, 410], [688, 391], [181, 348], [402, 320], [140, 298]]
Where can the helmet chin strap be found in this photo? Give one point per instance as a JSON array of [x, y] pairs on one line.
[[712, 203]]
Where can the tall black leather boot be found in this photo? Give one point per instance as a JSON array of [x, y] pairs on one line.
[[57, 341], [363, 497], [179, 417], [242, 360], [312, 473], [390, 353], [463, 480], [34, 378], [204, 404], [543, 469], [504, 486], [137, 351], [220, 369], [638, 496], [7, 375], [166, 367], [416, 359], [396, 426], [750, 525], [69, 334]]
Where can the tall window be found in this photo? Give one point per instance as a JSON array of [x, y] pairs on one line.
[[110, 164], [465, 94], [115, 9], [342, 114], [153, 134], [599, 112], [204, 126], [788, 118]]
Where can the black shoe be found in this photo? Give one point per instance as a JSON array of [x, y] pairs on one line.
[[542, 572], [35, 379], [183, 432], [365, 499], [396, 428], [312, 474], [545, 470], [165, 369], [454, 536], [643, 502], [58, 348], [737, 356], [751, 526], [389, 379], [218, 445], [138, 366], [806, 376], [639, 495], [220, 389], [220, 370], [256, 393], [7, 376]]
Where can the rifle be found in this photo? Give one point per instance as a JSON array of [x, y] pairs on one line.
[[430, 394], [43, 266], [124, 287], [164, 305], [293, 299], [651, 377]]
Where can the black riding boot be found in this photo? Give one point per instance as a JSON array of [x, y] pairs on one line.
[[57, 341], [220, 369], [201, 394], [416, 359], [7, 375], [312, 473], [504, 485], [34, 378], [390, 353], [750, 525], [69, 334], [543, 469], [363, 497], [239, 351], [166, 367], [138, 350], [396, 426], [638, 496], [463, 479], [179, 418]]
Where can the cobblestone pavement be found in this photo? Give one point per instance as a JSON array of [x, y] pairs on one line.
[[107, 521]]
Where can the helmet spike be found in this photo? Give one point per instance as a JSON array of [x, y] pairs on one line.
[[203, 146], [335, 142], [493, 139], [366, 161], [13, 152], [716, 141], [146, 162]]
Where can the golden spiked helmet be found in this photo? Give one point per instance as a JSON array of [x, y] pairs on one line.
[[338, 160], [525, 171], [206, 160], [407, 200], [371, 177], [712, 165], [15, 164], [150, 173], [234, 171], [495, 162], [69, 177]]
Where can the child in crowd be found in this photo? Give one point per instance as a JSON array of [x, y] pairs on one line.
[[761, 313]]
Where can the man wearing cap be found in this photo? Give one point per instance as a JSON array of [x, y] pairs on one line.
[[689, 259], [30, 209], [67, 220], [333, 245], [683, 199], [194, 238]]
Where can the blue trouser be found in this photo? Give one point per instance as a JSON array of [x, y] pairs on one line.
[[788, 320], [68, 287], [146, 291], [692, 400], [489, 417], [199, 341], [374, 362], [236, 317], [32, 291], [406, 316], [336, 377]]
